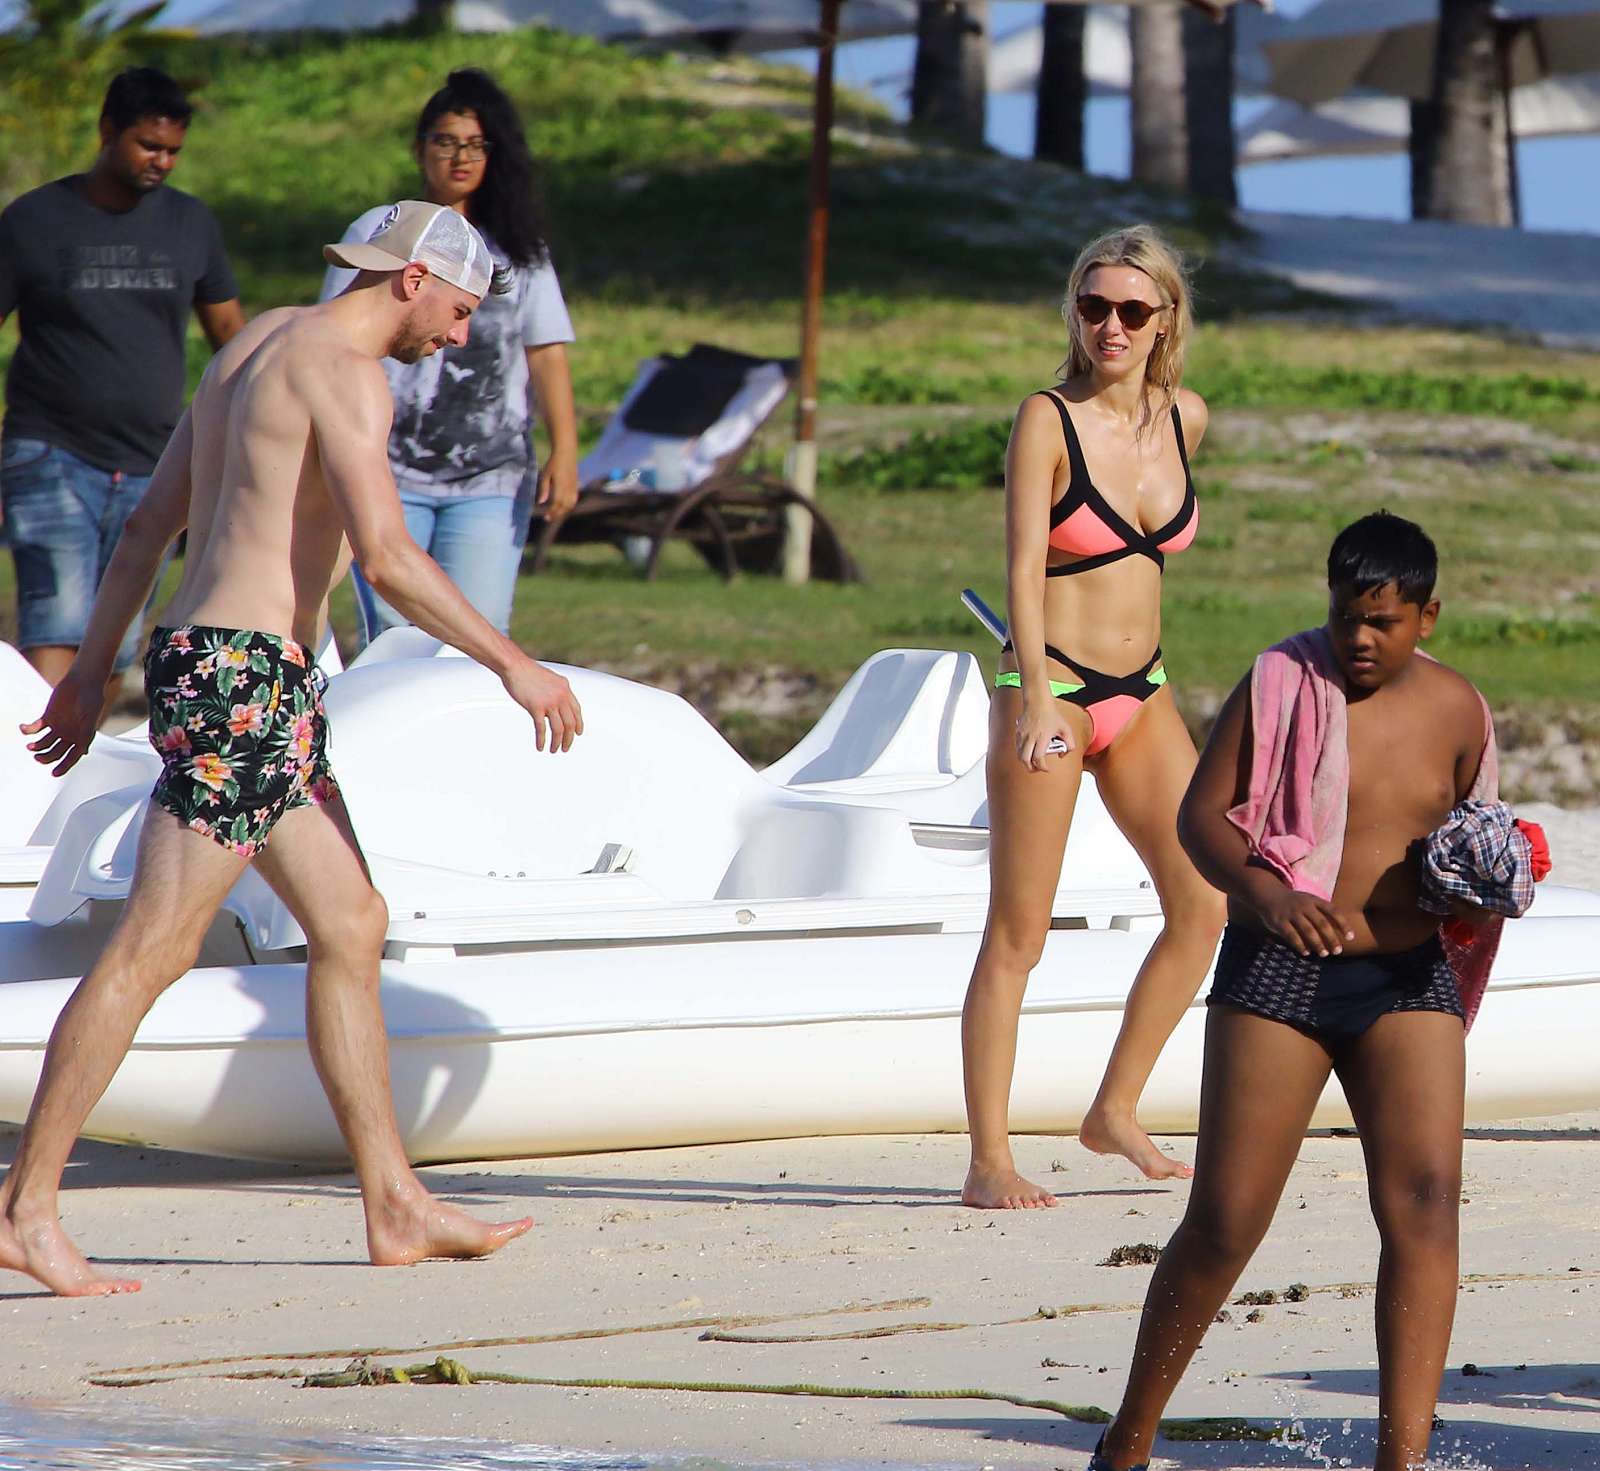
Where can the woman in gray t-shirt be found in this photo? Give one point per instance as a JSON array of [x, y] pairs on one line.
[[460, 448]]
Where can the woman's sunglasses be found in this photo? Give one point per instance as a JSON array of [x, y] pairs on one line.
[[1132, 314]]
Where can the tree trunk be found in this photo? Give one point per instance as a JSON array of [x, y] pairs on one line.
[[949, 82], [1160, 130], [1208, 99], [1424, 142], [433, 16], [1063, 88], [1466, 169]]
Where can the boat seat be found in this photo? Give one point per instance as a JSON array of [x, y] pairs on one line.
[[439, 767], [403, 642], [906, 718], [37, 804], [28, 786]]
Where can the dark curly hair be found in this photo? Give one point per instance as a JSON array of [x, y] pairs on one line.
[[138, 92], [507, 204]]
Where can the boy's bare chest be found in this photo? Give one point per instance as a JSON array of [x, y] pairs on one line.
[[1402, 767]]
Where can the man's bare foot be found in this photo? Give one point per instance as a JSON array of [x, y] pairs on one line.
[[1105, 1132], [1003, 1190], [425, 1228], [43, 1251]]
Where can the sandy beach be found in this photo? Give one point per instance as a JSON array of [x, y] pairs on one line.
[[838, 1263], [841, 1262]]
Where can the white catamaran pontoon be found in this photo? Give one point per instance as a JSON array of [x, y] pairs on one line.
[[645, 942]]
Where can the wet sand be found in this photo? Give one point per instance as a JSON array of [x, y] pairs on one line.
[[857, 1257]]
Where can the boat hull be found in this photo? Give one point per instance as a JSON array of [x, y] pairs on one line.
[[582, 1051]]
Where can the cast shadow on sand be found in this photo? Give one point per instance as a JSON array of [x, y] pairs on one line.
[[1322, 1441], [1531, 1136], [96, 1165], [811, 1194], [1519, 1386]]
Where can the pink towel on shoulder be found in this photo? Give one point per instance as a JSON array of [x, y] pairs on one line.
[[1293, 814]]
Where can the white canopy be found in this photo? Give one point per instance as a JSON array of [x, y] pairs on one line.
[[779, 25], [1351, 126], [1387, 46]]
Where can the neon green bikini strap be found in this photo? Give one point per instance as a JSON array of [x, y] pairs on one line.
[[1012, 680]]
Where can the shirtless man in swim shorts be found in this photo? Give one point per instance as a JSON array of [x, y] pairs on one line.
[[279, 470]]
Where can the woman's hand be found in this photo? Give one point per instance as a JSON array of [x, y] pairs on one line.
[[558, 483], [1040, 729]]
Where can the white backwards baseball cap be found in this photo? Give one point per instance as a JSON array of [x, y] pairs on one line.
[[433, 235]]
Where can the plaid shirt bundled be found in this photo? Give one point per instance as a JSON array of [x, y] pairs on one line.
[[1478, 854]]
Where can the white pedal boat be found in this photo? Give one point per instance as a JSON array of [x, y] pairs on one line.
[[644, 942]]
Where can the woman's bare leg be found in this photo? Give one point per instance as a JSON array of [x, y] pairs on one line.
[[1405, 1078], [1142, 778], [1262, 1080], [1029, 814]]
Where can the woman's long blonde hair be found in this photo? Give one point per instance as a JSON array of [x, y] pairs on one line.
[[1143, 248]]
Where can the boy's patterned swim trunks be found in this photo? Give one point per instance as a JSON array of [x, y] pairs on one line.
[[237, 719]]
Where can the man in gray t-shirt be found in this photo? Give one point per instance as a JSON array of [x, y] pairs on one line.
[[102, 270]]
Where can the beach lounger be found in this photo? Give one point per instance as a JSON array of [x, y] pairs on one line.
[[667, 466]]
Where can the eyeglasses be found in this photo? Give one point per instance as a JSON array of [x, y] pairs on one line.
[[470, 149], [1132, 314]]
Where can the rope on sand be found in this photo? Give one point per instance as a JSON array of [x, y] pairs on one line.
[[1077, 1309], [890, 1330], [364, 1374], [895, 1305]]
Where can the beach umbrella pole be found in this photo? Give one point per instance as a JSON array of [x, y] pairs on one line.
[[801, 469], [1505, 39]]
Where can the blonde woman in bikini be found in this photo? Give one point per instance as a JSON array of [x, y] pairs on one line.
[[1098, 494]]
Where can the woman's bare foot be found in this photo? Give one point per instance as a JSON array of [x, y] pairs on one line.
[[1003, 1190], [43, 1251], [1107, 1132], [417, 1230]]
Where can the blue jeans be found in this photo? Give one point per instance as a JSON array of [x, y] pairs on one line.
[[63, 518], [477, 540]]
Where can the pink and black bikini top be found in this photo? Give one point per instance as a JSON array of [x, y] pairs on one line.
[[1084, 523]]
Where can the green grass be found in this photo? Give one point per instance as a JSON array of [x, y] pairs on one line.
[[971, 454], [1520, 615]]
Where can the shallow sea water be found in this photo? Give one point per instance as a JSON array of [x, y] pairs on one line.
[[89, 1440]]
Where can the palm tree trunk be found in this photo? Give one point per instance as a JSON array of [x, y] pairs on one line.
[[1466, 168], [1424, 143], [1160, 129], [1063, 88], [432, 16], [949, 81], [1208, 93]]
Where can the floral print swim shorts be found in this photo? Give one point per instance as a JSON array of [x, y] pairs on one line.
[[237, 719]]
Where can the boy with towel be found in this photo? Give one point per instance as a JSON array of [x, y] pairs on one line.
[[1312, 807]]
